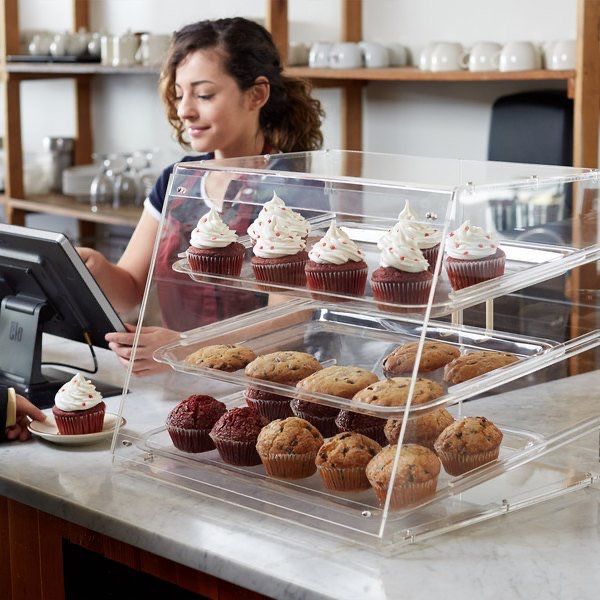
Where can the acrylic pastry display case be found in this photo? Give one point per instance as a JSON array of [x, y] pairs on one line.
[[538, 311]]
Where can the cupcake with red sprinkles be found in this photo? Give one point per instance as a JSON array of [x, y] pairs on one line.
[[336, 264], [78, 407], [472, 256], [214, 247]]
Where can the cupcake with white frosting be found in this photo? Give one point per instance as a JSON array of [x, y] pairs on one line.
[[403, 275], [78, 407], [279, 252], [336, 264], [472, 256], [427, 237], [214, 247], [294, 222]]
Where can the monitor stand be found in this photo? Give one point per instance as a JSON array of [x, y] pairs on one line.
[[21, 353]]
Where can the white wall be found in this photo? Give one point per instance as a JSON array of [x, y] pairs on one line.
[[420, 118]]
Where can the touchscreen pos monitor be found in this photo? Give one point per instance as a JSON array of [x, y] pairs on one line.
[[46, 288]]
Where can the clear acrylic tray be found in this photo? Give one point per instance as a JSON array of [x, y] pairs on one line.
[[339, 336], [526, 265]]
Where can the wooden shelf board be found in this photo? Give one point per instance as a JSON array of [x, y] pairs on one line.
[[67, 206], [66, 69], [414, 74]]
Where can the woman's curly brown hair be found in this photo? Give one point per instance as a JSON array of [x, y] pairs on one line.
[[291, 118]]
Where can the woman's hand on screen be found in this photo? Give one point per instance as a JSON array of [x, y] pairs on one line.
[[151, 338]]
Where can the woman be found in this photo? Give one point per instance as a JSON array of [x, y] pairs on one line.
[[226, 96]]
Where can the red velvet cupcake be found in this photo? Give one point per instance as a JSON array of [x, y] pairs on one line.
[[268, 405], [190, 422], [472, 256], [214, 248], [319, 415], [372, 427], [403, 276], [235, 435], [336, 265], [79, 408]]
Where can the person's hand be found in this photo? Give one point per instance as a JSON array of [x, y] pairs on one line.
[[151, 338], [95, 261], [25, 410]]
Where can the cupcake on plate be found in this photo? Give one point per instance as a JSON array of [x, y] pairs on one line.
[[288, 448], [279, 253], [467, 444], [372, 427], [286, 367], [336, 264], [235, 435], [342, 460], [422, 429], [403, 275], [214, 247], [416, 475], [472, 256], [427, 237], [190, 422], [78, 407], [293, 222]]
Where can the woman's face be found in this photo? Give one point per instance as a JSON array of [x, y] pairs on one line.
[[216, 114]]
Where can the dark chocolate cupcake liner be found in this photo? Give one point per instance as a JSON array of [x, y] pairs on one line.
[[191, 440], [326, 425], [350, 281], [81, 422], [464, 273], [291, 273], [402, 292], [233, 452], [270, 409], [430, 255], [217, 265], [374, 432]]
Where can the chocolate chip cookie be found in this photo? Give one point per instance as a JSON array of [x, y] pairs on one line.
[[394, 392], [224, 357], [472, 365], [433, 356]]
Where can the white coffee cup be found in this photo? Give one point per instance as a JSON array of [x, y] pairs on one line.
[[345, 55], [519, 56], [318, 57], [298, 54], [448, 56], [483, 56], [425, 56], [398, 55], [106, 50], [152, 50], [375, 55], [563, 55]]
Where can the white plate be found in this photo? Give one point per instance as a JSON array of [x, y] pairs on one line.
[[49, 431]]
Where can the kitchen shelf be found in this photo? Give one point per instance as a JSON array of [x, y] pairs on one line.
[[67, 206], [69, 69], [414, 74]]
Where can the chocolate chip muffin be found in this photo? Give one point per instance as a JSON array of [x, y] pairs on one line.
[[224, 357], [394, 392], [422, 429], [467, 444], [288, 447], [287, 367], [337, 381], [370, 426], [416, 476], [190, 422], [472, 365], [433, 356], [235, 435], [342, 461]]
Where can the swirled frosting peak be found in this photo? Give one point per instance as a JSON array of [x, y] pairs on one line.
[[335, 248], [77, 394], [211, 232], [470, 241], [402, 253], [274, 239], [426, 236], [294, 222]]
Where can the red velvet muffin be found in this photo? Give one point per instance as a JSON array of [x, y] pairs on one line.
[[190, 422], [235, 435], [269, 405], [321, 416], [372, 427]]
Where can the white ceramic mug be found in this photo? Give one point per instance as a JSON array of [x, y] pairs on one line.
[[345, 55], [40, 44], [425, 56], [106, 50], [483, 56], [318, 57], [563, 55], [448, 56], [153, 48], [398, 55], [59, 44], [298, 54], [375, 55], [519, 56]]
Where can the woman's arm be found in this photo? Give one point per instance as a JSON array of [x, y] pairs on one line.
[[124, 282]]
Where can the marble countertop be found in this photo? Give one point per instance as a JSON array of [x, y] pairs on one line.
[[540, 552]]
